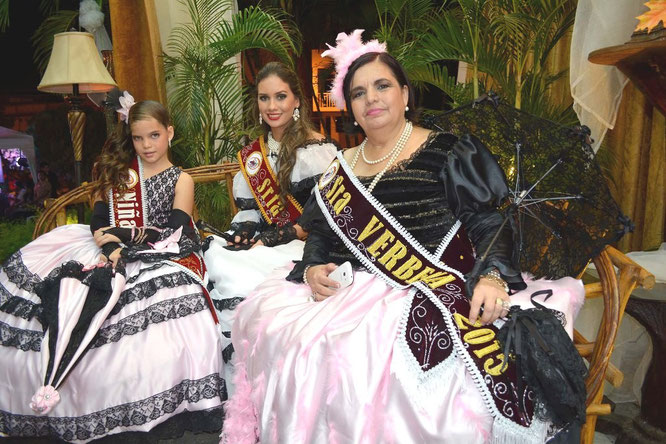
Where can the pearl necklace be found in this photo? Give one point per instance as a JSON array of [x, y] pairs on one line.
[[390, 153], [395, 152], [273, 145]]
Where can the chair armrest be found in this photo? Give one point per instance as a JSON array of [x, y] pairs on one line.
[[82, 194]]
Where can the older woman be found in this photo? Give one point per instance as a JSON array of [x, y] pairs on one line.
[[402, 354]]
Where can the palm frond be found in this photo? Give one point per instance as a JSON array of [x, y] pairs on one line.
[[438, 76], [42, 39], [4, 15], [256, 28], [48, 7], [206, 95]]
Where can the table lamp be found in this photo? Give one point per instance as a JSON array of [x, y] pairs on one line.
[[75, 68]]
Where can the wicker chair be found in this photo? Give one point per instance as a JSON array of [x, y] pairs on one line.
[[618, 276], [54, 215]]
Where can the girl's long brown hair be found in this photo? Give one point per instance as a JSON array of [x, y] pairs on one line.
[[297, 132], [110, 170]]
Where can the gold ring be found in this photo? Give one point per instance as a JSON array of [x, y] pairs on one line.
[[499, 301]]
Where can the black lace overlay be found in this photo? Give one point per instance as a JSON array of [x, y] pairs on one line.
[[144, 290], [228, 353], [155, 314], [104, 421], [571, 230], [133, 253], [26, 340], [160, 192], [201, 421], [244, 230], [246, 204], [17, 306], [227, 304], [98, 281], [275, 235], [136, 277], [18, 273]]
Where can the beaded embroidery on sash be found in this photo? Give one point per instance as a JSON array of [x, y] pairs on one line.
[[265, 188]]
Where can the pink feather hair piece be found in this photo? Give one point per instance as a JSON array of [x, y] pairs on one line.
[[348, 48]]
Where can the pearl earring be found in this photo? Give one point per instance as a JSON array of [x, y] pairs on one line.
[[355, 123], [406, 108], [261, 121], [296, 115]]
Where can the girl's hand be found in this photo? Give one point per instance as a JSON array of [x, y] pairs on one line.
[[115, 257], [102, 238], [258, 243], [490, 295], [320, 284]]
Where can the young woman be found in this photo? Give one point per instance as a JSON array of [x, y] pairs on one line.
[[278, 173], [108, 329], [404, 354]]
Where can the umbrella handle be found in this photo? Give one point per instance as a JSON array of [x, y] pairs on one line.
[[492, 242]]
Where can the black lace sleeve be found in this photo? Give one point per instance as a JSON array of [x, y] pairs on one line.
[[318, 243], [275, 235], [475, 187], [189, 240], [245, 230]]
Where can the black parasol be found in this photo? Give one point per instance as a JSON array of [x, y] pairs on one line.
[[559, 201]]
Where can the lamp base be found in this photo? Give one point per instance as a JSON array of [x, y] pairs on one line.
[[77, 124]]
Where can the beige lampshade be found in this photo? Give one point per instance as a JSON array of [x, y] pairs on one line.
[[75, 60]]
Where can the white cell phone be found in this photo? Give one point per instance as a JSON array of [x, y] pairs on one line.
[[343, 275]]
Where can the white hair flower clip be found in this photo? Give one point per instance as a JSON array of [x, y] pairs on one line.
[[349, 47], [126, 102]]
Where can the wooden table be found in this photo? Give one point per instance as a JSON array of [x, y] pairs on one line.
[[643, 60]]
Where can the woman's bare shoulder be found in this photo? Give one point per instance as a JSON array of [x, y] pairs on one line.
[[314, 135]]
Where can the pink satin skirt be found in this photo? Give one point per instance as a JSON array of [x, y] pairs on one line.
[[156, 355], [335, 372]]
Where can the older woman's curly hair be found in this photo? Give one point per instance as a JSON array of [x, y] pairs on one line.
[[110, 170]]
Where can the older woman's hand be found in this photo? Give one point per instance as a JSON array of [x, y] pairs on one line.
[[486, 294], [320, 284]]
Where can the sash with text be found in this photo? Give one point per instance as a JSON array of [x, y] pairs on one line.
[[264, 185], [129, 210], [389, 251]]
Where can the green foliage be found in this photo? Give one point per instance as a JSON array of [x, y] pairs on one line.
[[42, 39], [212, 201], [14, 236], [204, 88], [203, 74], [4, 15], [505, 43], [57, 20], [48, 7]]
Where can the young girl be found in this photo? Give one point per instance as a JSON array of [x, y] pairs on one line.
[[278, 172], [108, 329]]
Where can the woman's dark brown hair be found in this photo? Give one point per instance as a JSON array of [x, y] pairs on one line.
[[297, 132], [110, 170]]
